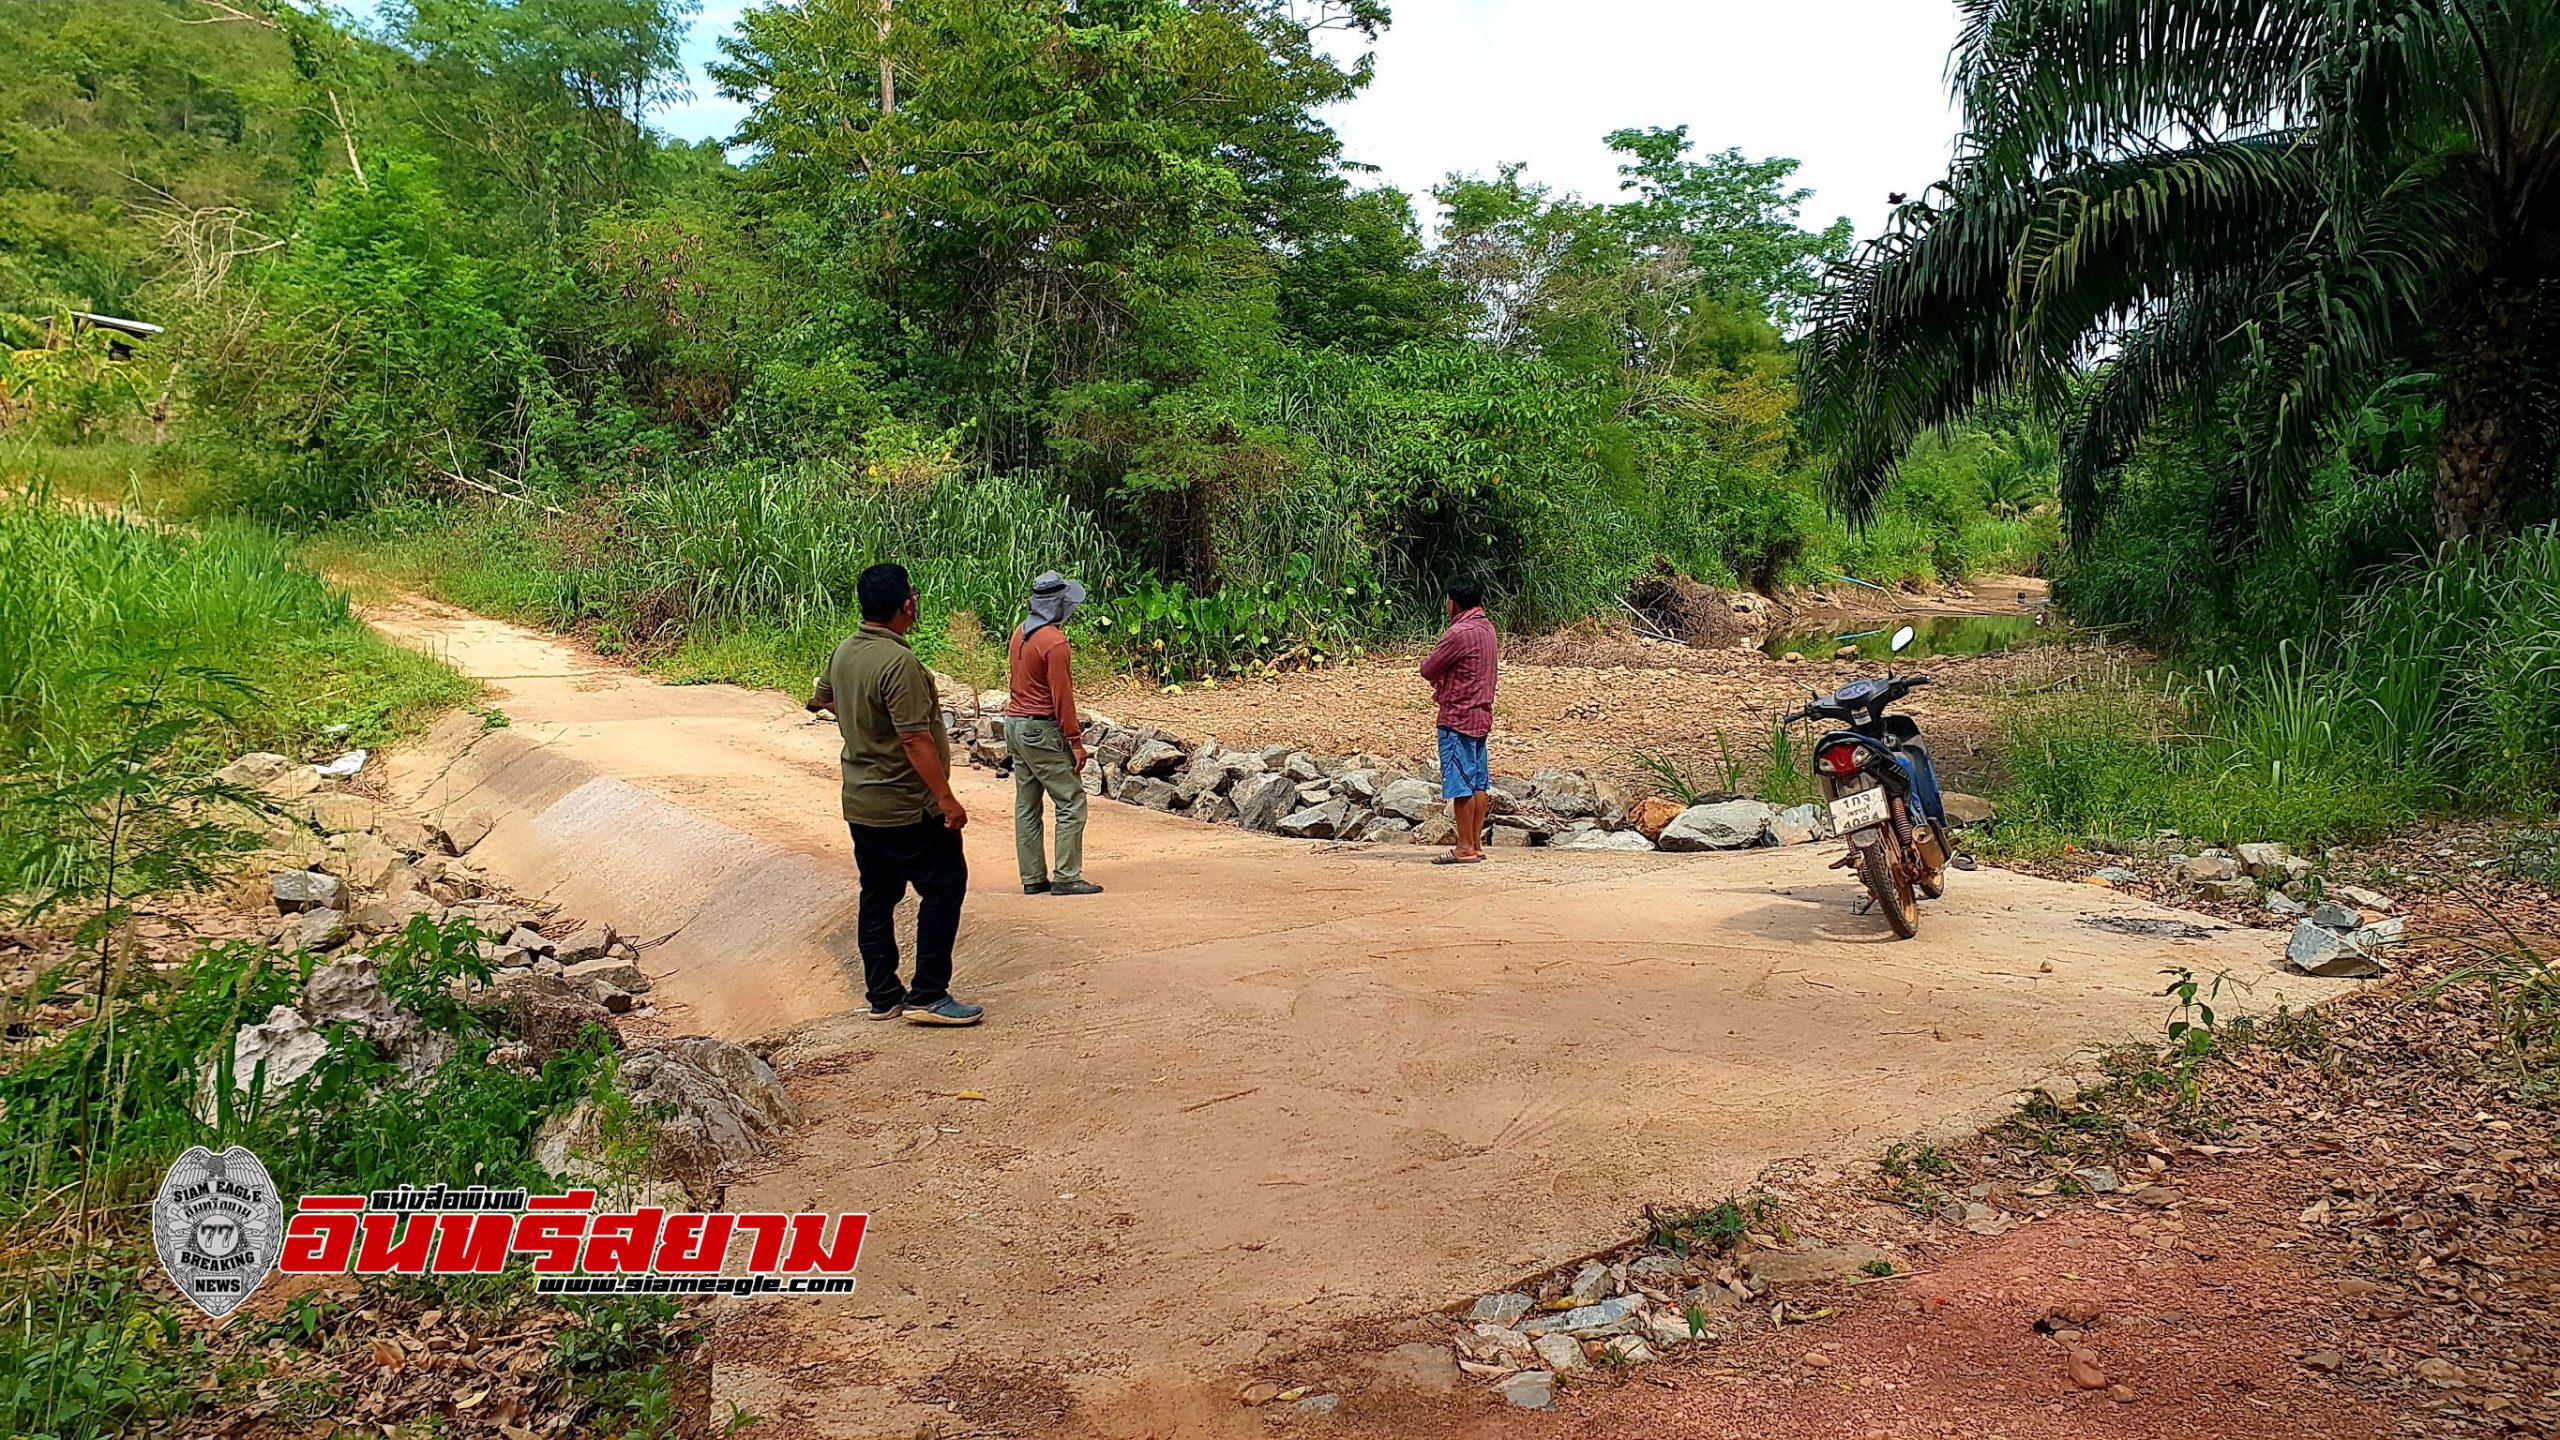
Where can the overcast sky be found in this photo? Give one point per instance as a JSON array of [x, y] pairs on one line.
[[1853, 88]]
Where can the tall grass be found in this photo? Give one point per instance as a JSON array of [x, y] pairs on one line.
[[735, 545], [89, 596], [2440, 687]]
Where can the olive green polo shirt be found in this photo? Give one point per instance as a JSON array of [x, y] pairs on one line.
[[880, 691]]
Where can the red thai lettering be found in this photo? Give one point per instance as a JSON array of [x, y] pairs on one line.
[[552, 1237], [379, 1254], [318, 1244], [620, 1244], [695, 1244], [473, 1244], [766, 1253], [811, 1251]]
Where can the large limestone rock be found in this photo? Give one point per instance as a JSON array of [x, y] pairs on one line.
[[313, 930], [1316, 822], [2202, 868], [1963, 809], [1148, 791], [349, 992], [271, 775], [1725, 825], [1435, 828], [296, 891], [1627, 840], [284, 1043], [455, 834], [1567, 794], [1206, 776], [1261, 804], [389, 914], [1800, 824], [2316, 950], [724, 1106], [1156, 757], [371, 861], [1408, 799]]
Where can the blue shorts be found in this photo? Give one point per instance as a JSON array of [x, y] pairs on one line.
[[1462, 767]]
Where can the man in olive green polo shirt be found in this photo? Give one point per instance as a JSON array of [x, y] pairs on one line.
[[898, 803]]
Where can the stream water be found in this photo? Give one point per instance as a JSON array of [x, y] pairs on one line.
[[1931, 635]]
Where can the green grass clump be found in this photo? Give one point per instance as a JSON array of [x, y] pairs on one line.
[[2124, 761], [2439, 688], [92, 598], [1707, 1230]]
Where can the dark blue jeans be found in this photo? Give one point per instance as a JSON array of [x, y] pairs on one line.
[[1924, 782]]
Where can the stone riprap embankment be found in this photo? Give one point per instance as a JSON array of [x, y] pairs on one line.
[[1364, 798]]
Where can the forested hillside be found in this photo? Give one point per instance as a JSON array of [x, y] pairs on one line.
[[988, 287], [993, 288]]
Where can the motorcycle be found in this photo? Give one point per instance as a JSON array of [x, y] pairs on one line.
[[1883, 791]]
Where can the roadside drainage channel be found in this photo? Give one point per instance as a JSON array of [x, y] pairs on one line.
[[755, 932]]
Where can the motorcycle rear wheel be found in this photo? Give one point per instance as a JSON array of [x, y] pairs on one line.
[[1875, 867]]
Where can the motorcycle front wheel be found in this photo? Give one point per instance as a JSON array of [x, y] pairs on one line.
[[1875, 867]]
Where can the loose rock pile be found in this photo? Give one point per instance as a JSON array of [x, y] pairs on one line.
[[360, 872], [1634, 1308], [2339, 930], [1295, 793], [366, 871]]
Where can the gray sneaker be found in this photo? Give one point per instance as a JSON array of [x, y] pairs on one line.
[[1075, 887], [945, 1011]]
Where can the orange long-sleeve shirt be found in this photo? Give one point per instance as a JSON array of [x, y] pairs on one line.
[[1042, 688]]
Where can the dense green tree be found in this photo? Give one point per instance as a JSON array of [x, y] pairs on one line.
[[2254, 212], [114, 116], [1731, 221], [1025, 181], [542, 103], [1363, 282], [1699, 268]]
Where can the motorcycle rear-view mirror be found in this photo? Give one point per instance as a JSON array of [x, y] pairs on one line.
[[1901, 638]]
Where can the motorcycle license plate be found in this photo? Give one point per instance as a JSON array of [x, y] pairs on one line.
[[1857, 810]]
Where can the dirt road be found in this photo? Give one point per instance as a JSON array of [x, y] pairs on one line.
[[1261, 1093]]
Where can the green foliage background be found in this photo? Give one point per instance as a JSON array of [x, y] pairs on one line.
[[1097, 291]]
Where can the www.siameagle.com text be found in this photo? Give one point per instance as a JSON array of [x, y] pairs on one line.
[[693, 1285]]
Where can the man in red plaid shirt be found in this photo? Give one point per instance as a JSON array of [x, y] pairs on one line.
[[1461, 670]]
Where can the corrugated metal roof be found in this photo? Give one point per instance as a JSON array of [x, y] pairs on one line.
[[140, 329]]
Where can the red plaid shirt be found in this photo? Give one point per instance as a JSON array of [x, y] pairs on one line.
[[1461, 671]]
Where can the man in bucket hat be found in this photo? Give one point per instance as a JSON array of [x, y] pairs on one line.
[[1046, 740]]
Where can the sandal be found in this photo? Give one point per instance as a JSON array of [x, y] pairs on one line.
[[1454, 858]]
